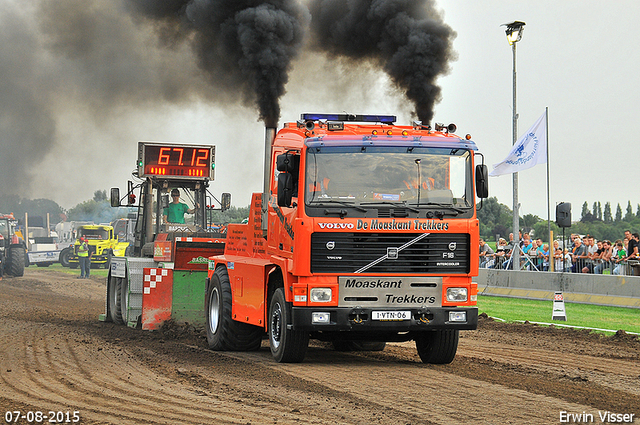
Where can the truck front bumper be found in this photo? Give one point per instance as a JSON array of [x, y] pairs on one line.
[[361, 319], [95, 259], [99, 259]]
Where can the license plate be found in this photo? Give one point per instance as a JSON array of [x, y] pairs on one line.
[[390, 315]]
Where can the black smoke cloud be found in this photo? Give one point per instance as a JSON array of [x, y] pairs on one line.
[[98, 61], [26, 125], [406, 38], [246, 47], [77, 58]]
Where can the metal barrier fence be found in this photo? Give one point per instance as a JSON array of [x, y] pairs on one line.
[[581, 265], [621, 291]]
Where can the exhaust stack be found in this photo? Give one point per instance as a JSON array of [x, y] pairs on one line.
[[269, 137]]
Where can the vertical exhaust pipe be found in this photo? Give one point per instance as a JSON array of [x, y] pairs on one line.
[[26, 231], [269, 137]]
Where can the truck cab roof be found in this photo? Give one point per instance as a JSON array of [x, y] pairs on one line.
[[322, 131]]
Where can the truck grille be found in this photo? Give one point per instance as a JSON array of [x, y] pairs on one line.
[[440, 253]]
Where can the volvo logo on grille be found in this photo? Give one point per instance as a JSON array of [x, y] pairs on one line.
[[452, 246], [330, 245], [392, 253]]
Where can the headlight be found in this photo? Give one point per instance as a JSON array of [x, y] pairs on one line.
[[320, 295], [457, 316], [457, 294], [320, 318]]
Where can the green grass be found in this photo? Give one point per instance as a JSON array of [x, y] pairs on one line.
[[58, 267], [584, 315]]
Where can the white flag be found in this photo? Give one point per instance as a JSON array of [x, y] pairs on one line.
[[529, 150]]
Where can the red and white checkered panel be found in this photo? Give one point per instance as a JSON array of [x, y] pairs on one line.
[[152, 279], [157, 297]]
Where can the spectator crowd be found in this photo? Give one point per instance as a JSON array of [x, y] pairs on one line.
[[583, 255]]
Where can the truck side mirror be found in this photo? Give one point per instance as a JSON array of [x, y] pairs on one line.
[[115, 197], [164, 200], [482, 181], [285, 189], [225, 203], [288, 163]]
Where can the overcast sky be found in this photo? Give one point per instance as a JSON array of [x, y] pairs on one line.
[[577, 57]]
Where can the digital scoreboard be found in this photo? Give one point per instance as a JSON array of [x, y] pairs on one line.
[[175, 161]]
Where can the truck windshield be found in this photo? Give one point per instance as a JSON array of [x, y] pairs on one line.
[[416, 177], [4, 228], [94, 233]]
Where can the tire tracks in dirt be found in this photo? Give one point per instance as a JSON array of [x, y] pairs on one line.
[[423, 391], [616, 374], [57, 356], [51, 371]]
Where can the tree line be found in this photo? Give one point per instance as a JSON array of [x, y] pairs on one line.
[[497, 219], [98, 210]]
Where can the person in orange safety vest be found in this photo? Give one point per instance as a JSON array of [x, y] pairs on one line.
[[319, 186], [427, 184]]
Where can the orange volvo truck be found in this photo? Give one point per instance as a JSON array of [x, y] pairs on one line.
[[366, 233]]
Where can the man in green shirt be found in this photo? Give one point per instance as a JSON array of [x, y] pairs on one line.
[[174, 213]]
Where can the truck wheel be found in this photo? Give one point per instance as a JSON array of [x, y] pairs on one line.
[[64, 257], [287, 345], [114, 300], [16, 265], [346, 345], [437, 347], [224, 333]]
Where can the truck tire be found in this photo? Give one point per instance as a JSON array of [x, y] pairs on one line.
[[224, 333], [114, 300], [16, 265], [347, 345], [287, 345], [64, 257], [437, 347]]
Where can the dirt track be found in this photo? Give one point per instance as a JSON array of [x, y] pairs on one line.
[[56, 356]]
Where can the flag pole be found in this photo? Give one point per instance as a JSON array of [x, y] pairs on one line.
[[551, 263]]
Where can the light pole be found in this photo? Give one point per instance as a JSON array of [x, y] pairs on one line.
[[514, 34]]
